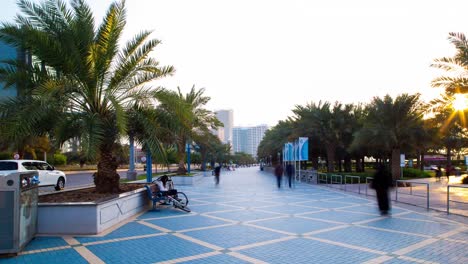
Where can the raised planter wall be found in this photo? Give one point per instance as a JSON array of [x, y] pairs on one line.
[[89, 218]]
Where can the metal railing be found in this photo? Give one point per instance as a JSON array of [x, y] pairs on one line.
[[412, 193], [411, 190], [336, 179], [448, 196], [322, 177], [352, 181], [309, 175]]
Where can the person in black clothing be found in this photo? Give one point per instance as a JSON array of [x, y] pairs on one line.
[[217, 172], [290, 173], [279, 174], [381, 183], [438, 173]]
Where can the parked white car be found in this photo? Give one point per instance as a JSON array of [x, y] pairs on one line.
[[48, 175]]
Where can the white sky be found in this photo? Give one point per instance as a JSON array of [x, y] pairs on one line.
[[263, 57]]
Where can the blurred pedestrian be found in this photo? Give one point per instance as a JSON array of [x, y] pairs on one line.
[[381, 183], [289, 173], [448, 171], [217, 172], [438, 172], [279, 174]]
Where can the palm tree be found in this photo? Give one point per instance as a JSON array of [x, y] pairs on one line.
[[91, 83], [456, 80], [329, 125], [207, 144], [390, 126], [185, 118]]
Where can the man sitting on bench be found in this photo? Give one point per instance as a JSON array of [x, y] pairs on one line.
[[161, 182]]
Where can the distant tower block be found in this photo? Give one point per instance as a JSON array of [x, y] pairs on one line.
[[247, 139], [227, 118]]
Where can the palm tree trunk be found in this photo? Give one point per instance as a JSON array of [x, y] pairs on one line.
[[449, 156], [347, 163], [363, 164], [331, 158], [181, 169], [106, 178], [203, 161], [181, 157], [315, 163], [418, 159], [396, 170], [422, 160]]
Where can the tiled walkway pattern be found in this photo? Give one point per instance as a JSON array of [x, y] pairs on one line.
[[248, 220]]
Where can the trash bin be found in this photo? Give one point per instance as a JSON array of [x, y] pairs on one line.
[[18, 210]]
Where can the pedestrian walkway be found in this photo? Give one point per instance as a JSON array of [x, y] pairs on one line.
[[246, 219]]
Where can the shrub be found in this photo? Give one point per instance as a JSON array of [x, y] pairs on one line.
[[57, 159], [415, 173], [465, 180], [73, 157], [5, 156]]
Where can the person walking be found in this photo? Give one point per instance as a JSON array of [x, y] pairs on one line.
[[381, 183], [438, 173], [217, 172], [279, 174], [289, 173]]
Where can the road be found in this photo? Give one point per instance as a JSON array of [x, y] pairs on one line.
[[77, 179], [81, 178]]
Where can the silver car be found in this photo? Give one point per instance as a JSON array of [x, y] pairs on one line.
[[48, 175]]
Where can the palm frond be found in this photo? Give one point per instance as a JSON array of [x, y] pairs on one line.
[[107, 39]]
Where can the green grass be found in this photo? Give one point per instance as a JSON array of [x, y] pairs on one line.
[[410, 173]]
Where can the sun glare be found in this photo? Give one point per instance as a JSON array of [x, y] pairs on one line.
[[459, 102]]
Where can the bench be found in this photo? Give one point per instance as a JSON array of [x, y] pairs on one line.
[[154, 194]]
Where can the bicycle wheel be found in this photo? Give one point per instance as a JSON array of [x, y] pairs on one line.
[[181, 202], [182, 198]]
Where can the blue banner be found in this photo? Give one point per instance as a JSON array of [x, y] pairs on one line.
[[296, 150], [303, 148], [290, 151], [285, 152]]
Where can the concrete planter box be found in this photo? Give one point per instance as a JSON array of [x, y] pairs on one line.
[[89, 218], [186, 180]]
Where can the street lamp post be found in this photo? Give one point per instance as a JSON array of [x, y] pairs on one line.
[[188, 158], [149, 166], [131, 173]]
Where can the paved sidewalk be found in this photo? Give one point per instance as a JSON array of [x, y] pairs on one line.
[[246, 219]]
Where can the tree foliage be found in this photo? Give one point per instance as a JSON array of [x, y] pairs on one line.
[[86, 84]]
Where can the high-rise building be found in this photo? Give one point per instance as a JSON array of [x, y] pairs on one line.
[[219, 132], [227, 118], [7, 53], [247, 139]]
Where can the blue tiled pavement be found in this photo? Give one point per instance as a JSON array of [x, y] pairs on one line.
[[45, 242], [301, 250], [129, 230], [246, 219]]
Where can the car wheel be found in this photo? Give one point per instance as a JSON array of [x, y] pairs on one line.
[[60, 184]]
